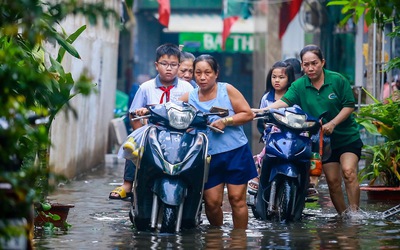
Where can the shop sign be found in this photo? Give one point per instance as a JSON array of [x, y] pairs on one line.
[[211, 42]]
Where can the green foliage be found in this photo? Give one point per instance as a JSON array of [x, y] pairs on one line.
[[29, 86], [380, 12], [385, 164], [382, 119]]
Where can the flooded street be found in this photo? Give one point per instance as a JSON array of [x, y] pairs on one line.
[[100, 223]]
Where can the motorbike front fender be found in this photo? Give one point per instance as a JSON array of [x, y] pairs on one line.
[[287, 169], [170, 191]]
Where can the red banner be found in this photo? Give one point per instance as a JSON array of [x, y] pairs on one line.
[[232, 10], [287, 12], [164, 11], [228, 22]]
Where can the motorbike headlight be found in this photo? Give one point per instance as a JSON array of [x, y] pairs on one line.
[[309, 124], [280, 118], [180, 119], [295, 121]]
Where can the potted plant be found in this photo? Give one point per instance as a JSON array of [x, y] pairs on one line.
[[55, 214], [383, 170]]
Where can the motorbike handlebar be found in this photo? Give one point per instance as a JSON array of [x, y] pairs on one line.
[[220, 114], [139, 117], [215, 129], [261, 114]]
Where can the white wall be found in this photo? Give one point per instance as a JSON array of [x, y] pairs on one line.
[[81, 143], [293, 39]]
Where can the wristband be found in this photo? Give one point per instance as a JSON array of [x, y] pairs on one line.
[[228, 121], [223, 121], [333, 123]]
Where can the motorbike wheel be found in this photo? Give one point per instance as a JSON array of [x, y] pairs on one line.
[[253, 208], [131, 217], [255, 214], [170, 215], [284, 200], [141, 224]]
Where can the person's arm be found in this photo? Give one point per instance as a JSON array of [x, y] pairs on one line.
[[347, 100], [261, 122], [143, 111], [136, 124], [328, 127], [138, 102], [243, 113], [290, 98], [184, 97], [275, 105]]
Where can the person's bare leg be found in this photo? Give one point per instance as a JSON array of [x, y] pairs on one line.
[[349, 164], [334, 180], [213, 201], [127, 185], [237, 199], [312, 186], [314, 180], [129, 173]]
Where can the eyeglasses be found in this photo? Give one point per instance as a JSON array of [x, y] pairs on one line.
[[165, 65]]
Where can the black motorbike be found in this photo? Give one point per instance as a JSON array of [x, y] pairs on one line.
[[285, 167], [172, 167]]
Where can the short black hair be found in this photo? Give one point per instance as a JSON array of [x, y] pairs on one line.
[[168, 49]]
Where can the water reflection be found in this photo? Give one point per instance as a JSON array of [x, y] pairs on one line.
[[219, 238], [99, 223], [345, 238]]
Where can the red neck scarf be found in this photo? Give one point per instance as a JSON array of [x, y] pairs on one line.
[[166, 93]]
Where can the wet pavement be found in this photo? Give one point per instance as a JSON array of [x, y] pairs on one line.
[[100, 223]]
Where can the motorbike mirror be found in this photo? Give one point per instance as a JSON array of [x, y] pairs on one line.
[[221, 112]]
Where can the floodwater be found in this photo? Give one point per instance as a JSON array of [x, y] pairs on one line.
[[100, 223]]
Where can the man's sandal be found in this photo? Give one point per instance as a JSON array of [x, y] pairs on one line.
[[122, 194]]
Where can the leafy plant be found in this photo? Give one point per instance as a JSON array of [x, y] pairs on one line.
[[382, 119], [51, 221], [30, 86], [381, 12], [27, 84], [385, 164]]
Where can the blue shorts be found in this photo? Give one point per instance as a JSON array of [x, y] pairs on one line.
[[233, 167], [353, 147]]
